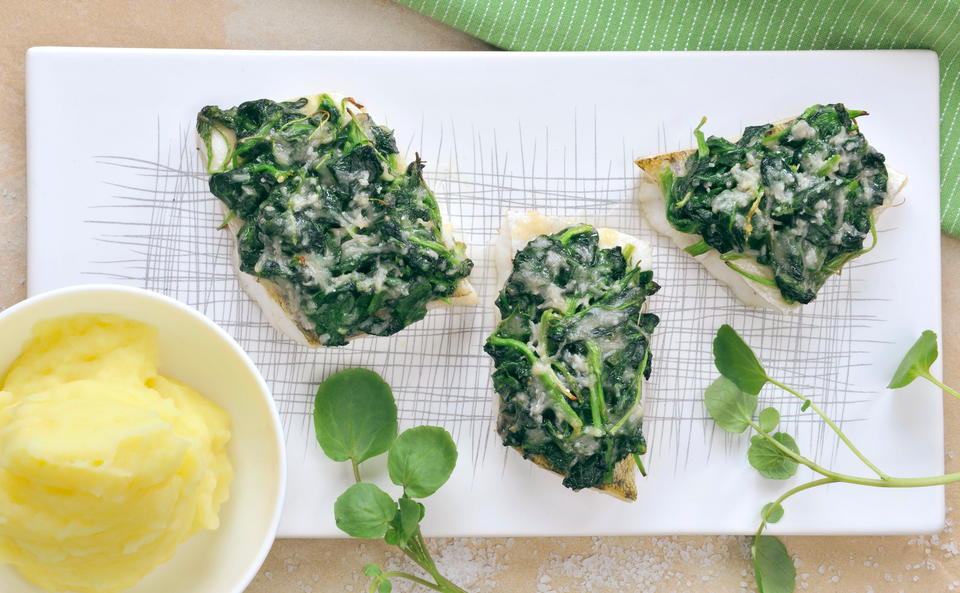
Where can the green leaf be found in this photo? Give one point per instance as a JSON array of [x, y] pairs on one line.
[[768, 419], [702, 148], [775, 512], [917, 362], [736, 361], [697, 248], [364, 510], [772, 566], [764, 280], [372, 570], [407, 519], [421, 459], [406, 522], [355, 415], [385, 586], [769, 460], [731, 408]]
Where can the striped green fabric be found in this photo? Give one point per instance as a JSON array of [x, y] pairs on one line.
[[556, 25]]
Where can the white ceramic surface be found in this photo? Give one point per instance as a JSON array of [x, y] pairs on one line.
[[116, 194], [197, 352]]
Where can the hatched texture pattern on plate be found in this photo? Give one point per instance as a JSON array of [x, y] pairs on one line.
[[158, 212]]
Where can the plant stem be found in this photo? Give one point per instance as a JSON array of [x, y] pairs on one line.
[[697, 248], [356, 470], [416, 552], [431, 566], [788, 494], [751, 276], [888, 482], [936, 382], [597, 405], [410, 577], [902, 482], [511, 343], [448, 587], [431, 245], [835, 428], [226, 221], [574, 231], [551, 383], [426, 562], [794, 456], [639, 462]]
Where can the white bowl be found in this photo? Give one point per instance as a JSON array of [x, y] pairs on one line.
[[196, 351]]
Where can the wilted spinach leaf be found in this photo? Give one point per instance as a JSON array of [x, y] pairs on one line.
[[571, 353], [799, 199], [350, 239]]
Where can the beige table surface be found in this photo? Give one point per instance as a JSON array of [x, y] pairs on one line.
[[927, 564]]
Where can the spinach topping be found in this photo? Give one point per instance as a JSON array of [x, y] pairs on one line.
[[570, 354], [798, 198], [328, 214]]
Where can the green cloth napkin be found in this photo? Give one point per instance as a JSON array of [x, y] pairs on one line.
[[555, 25]]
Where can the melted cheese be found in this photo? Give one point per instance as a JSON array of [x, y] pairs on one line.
[[523, 228], [652, 205]]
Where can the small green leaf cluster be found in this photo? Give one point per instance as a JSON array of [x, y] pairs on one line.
[[797, 198], [355, 416], [326, 211], [571, 353], [732, 401]]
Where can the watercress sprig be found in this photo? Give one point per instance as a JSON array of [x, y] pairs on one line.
[[355, 416], [732, 401], [917, 363]]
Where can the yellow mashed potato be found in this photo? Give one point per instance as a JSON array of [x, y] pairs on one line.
[[105, 466]]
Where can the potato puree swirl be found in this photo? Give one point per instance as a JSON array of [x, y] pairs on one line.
[[105, 465]]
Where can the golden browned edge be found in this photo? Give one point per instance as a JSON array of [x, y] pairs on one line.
[[654, 164], [624, 483], [273, 291], [277, 295], [463, 293], [463, 289]]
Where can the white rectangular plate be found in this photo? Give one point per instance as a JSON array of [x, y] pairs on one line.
[[116, 194]]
